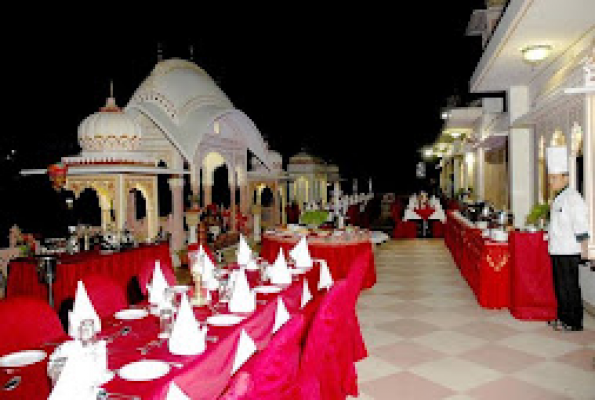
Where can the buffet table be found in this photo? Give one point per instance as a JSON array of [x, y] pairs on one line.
[[202, 376], [122, 266], [482, 262], [532, 295], [338, 252]]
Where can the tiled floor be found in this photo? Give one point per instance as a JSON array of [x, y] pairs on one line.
[[429, 339]]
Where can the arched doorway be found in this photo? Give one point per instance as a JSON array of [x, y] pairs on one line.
[[136, 215], [88, 209], [221, 192]]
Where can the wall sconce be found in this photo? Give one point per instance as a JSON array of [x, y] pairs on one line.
[[536, 53]]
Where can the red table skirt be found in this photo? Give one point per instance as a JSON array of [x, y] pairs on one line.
[[121, 266], [484, 264], [338, 257], [532, 295]]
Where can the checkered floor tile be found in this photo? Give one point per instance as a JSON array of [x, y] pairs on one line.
[[429, 339]]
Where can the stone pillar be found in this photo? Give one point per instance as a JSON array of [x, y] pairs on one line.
[[520, 157], [120, 203], [479, 174], [176, 185], [232, 204], [208, 193]]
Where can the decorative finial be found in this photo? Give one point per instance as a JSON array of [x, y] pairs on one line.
[[111, 88], [110, 104], [191, 51]]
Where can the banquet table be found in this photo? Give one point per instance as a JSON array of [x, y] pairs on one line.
[[122, 266], [338, 252], [532, 295], [485, 264], [202, 376]]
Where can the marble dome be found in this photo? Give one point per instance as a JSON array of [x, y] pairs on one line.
[[109, 130]]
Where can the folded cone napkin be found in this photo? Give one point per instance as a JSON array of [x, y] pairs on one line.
[[187, 338]]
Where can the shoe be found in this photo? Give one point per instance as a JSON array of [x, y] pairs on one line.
[[567, 328], [554, 323]]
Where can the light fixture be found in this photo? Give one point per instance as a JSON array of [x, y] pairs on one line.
[[455, 134], [428, 153], [444, 115], [536, 53]]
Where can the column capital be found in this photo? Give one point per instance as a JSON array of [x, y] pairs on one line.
[[176, 181]]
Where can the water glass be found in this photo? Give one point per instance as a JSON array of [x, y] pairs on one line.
[[169, 297], [166, 321], [87, 332]]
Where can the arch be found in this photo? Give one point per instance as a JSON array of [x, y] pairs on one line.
[[88, 207]]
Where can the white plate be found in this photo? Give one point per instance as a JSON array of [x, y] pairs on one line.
[[131, 313], [144, 370], [267, 289], [298, 271], [180, 288], [224, 319], [22, 358]]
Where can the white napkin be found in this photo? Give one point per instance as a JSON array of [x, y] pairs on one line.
[[306, 295], [196, 258], [157, 286], [208, 274], [279, 273], [78, 379], [187, 338], [242, 298], [281, 314], [246, 347], [301, 255], [252, 266], [175, 393], [326, 279], [83, 309], [244, 252]]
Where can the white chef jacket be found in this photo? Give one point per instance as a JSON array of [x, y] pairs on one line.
[[568, 223]]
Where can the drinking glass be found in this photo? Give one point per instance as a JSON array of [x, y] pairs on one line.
[[169, 297], [166, 321], [87, 332]]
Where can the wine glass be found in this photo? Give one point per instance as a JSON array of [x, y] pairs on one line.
[[87, 332]]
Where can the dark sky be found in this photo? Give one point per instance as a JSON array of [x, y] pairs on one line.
[[361, 85]]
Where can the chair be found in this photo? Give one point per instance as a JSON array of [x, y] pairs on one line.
[[106, 295], [355, 280], [27, 323], [327, 358], [271, 373]]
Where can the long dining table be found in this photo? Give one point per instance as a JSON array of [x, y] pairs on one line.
[[122, 266], [202, 376]]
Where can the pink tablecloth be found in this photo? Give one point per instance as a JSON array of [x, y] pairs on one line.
[[121, 266], [337, 256]]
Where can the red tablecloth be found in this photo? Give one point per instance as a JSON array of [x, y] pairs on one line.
[[337, 256], [203, 376], [121, 266], [532, 294], [483, 263]]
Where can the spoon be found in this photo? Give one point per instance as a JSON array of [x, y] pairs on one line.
[[102, 394], [122, 332], [12, 383]]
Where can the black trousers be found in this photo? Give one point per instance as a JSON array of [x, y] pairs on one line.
[[568, 290]]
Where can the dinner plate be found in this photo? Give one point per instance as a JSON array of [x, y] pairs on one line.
[[224, 319], [298, 271], [22, 358], [266, 289], [131, 313], [144, 370]]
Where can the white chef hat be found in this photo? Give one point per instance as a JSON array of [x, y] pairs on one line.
[[557, 160]]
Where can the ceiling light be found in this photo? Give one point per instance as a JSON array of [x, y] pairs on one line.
[[455, 135], [536, 53]]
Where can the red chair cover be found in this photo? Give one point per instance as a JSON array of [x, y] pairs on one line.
[[26, 323], [437, 229], [271, 373], [355, 281], [396, 211], [106, 295], [328, 351], [405, 230]]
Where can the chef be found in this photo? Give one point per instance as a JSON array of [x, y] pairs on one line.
[[568, 234]]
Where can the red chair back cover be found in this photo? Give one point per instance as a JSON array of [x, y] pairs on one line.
[[270, 374], [26, 323], [328, 351], [106, 295], [355, 281]]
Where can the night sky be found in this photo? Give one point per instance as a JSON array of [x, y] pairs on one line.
[[361, 86]]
